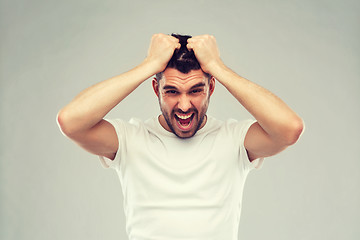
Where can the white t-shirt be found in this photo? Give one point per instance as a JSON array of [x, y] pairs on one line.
[[182, 189]]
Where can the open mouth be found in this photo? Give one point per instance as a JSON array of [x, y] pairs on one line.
[[184, 121]]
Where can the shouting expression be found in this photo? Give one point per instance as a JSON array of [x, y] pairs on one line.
[[183, 99]]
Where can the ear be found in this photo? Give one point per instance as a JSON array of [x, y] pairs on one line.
[[155, 85], [212, 85]]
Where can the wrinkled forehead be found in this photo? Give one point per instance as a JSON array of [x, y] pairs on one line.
[[174, 77]]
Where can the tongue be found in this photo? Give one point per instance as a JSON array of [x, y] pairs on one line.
[[184, 121]]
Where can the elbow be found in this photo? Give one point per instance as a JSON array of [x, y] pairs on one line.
[[294, 131], [63, 122]]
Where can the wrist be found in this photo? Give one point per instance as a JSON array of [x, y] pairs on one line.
[[150, 66], [154, 64], [216, 68]]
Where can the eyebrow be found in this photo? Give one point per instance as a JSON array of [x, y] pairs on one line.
[[169, 87], [198, 85]]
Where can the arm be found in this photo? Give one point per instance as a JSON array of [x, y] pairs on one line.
[[277, 125], [82, 119]]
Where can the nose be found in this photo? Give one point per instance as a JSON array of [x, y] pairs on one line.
[[184, 103]]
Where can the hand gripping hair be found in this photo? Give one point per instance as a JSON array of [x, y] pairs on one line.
[[183, 59]]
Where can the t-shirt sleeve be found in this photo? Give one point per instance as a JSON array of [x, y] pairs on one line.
[[240, 129], [119, 127]]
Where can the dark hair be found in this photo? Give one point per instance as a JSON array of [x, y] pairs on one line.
[[183, 59]]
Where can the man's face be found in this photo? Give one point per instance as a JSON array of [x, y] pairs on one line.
[[184, 99]]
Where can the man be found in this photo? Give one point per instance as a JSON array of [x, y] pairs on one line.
[[182, 173]]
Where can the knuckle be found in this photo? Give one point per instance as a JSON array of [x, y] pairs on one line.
[[158, 35]]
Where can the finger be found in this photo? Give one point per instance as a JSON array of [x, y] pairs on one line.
[[189, 46], [192, 40], [176, 42]]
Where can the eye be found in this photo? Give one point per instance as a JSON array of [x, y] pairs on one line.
[[195, 91], [171, 92]]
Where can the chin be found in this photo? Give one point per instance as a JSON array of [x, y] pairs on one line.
[[185, 135]]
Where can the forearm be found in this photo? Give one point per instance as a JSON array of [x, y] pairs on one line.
[[92, 104], [274, 116]]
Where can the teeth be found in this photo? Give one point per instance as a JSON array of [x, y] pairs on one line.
[[184, 116]]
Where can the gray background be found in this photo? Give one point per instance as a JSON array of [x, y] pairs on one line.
[[306, 52]]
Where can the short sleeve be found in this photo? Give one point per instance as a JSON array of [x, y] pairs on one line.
[[239, 130], [120, 132]]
